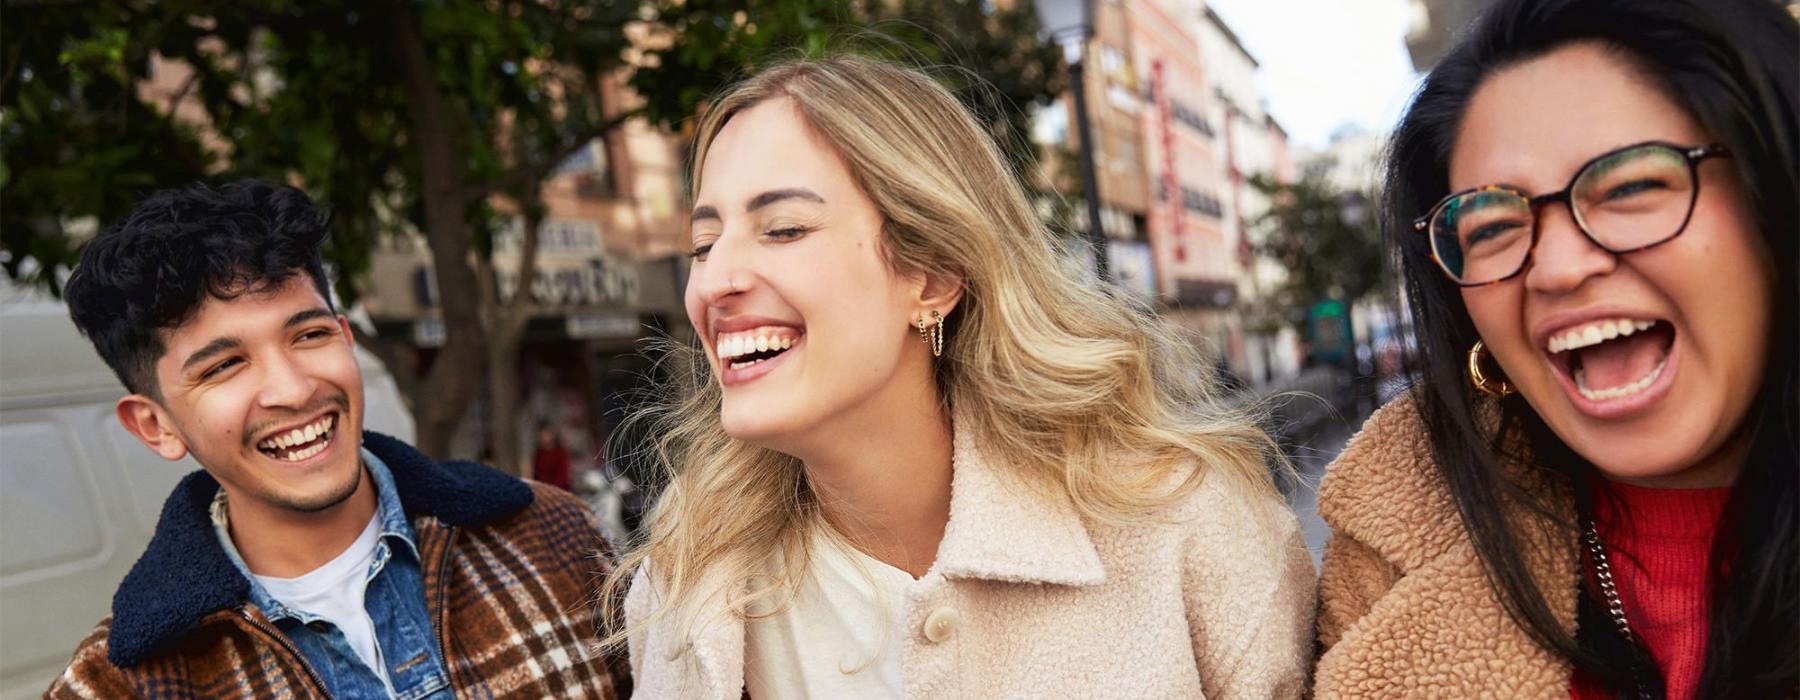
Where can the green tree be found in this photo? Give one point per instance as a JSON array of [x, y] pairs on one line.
[[1325, 236], [413, 115], [987, 53], [387, 112], [1003, 69]]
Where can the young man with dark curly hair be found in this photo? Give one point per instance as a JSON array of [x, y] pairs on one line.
[[309, 558]]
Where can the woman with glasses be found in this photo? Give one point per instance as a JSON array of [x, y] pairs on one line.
[[1590, 490]]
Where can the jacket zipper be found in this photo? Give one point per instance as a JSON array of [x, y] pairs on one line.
[[288, 645], [443, 603]]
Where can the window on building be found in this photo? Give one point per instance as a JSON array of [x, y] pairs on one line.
[[1050, 124], [590, 169]]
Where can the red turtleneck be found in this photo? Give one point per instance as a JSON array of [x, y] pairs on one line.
[[1658, 541]]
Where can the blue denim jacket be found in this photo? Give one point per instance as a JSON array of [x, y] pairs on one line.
[[395, 599]]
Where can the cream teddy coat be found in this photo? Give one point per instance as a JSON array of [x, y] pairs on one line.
[[1043, 603], [1404, 609]]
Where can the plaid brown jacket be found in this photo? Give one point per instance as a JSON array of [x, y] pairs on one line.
[[511, 574]]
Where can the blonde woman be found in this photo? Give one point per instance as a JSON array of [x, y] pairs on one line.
[[918, 456]]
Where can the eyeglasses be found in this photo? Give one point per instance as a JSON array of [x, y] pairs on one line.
[[1624, 200]]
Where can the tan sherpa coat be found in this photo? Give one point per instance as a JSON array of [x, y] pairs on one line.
[[1055, 606], [1404, 609]]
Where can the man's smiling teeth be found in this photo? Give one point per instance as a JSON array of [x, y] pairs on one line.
[[278, 445], [1618, 392], [735, 345], [1596, 333]]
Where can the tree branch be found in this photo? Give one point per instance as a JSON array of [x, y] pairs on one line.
[[455, 375], [532, 221], [182, 92], [531, 173]]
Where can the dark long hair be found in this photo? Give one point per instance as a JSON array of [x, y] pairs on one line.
[[1732, 65]]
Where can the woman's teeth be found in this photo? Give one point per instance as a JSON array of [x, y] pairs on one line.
[[1619, 392], [1596, 333], [734, 348], [302, 442]]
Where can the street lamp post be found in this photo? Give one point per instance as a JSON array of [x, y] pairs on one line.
[[1069, 23]]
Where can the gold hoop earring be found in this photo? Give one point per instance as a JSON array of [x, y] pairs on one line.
[[933, 333], [1497, 388]]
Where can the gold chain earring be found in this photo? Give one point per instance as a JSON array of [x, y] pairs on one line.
[[933, 333], [1497, 388]]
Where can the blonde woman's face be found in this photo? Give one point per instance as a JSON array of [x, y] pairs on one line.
[[804, 323], [1661, 404]]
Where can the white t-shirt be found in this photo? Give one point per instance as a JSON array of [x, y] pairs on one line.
[[841, 635], [335, 590]]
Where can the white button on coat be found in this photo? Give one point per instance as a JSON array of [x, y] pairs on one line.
[[941, 624]]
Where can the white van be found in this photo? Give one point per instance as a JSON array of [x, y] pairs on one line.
[[79, 497]]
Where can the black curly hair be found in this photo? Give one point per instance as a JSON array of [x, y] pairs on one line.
[[152, 271]]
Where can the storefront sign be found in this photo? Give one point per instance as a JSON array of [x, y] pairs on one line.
[[602, 325], [1205, 294], [596, 281], [429, 333], [554, 236]]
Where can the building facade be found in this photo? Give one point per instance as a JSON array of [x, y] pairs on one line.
[[1178, 128], [1254, 145]]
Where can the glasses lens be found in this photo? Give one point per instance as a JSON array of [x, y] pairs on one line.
[[1635, 198], [1482, 236]]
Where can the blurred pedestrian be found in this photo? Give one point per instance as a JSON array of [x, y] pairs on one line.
[[1592, 489], [924, 455], [550, 461], [308, 559]]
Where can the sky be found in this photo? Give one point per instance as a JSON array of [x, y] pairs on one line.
[[1327, 63]]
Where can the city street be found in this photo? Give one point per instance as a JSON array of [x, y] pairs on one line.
[[1310, 459]]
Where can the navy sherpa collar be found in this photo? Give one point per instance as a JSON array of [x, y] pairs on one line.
[[185, 575]]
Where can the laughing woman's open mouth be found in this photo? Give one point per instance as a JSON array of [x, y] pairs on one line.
[[1611, 367]]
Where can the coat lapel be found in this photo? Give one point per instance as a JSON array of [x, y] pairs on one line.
[[1003, 527], [1440, 629], [669, 661]]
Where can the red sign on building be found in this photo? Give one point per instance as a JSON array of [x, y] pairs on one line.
[[1171, 184]]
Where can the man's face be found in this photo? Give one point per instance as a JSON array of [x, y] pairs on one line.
[[265, 392]]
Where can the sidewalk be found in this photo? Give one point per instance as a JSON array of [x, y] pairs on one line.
[[1309, 460]]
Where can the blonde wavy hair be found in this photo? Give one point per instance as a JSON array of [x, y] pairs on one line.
[[1060, 376]]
